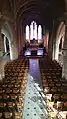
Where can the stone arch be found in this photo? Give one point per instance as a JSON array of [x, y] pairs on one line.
[[7, 31], [59, 35]]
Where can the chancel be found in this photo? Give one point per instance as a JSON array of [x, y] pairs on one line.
[[33, 59]]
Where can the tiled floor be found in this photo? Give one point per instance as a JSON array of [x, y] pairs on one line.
[[34, 105]]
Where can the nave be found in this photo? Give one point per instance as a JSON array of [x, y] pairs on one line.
[[35, 105], [33, 59], [33, 89]]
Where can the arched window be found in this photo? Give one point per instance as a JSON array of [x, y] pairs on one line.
[[35, 31], [39, 32], [27, 32], [31, 31]]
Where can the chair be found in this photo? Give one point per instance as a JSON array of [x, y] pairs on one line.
[[7, 115], [17, 115], [0, 115]]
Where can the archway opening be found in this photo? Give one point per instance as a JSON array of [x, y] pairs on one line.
[[5, 46], [7, 39], [59, 43]]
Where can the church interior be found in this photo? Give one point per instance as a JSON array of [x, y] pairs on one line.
[[33, 59]]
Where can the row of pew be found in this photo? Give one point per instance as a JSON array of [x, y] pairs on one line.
[[13, 89], [54, 86]]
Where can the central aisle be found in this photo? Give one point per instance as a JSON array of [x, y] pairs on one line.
[[34, 105]]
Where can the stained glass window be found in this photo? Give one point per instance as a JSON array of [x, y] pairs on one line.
[[39, 32], [27, 32], [31, 32]]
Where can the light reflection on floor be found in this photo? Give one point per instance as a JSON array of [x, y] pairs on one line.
[[39, 52], [34, 106]]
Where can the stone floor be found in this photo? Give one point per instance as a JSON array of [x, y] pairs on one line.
[[34, 105]]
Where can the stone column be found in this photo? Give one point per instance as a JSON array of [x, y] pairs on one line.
[[5, 44], [50, 42], [24, 38], [13, 49], [65, 5], [53, 55], [64, 69], [1, 44], [29, 33]]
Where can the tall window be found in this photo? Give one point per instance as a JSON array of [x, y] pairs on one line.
[[27, 32], [31, 31], [39, 32], [35, 31]]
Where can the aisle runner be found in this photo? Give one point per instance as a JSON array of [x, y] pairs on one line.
[[34, 106]]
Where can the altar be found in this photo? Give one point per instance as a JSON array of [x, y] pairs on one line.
[[34, 51]]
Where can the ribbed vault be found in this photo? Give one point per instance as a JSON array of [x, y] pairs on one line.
[[47, 10]]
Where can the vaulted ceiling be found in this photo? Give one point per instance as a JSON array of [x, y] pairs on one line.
[[47, 10], [4, 5]]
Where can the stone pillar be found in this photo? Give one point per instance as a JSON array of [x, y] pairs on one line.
[[13, 50], [24, 38], [50, 42], [21, 37], [64, 69], [29, 32], [65, 5], [5, 44], [37, 32], [1, 44], [53, 55]]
